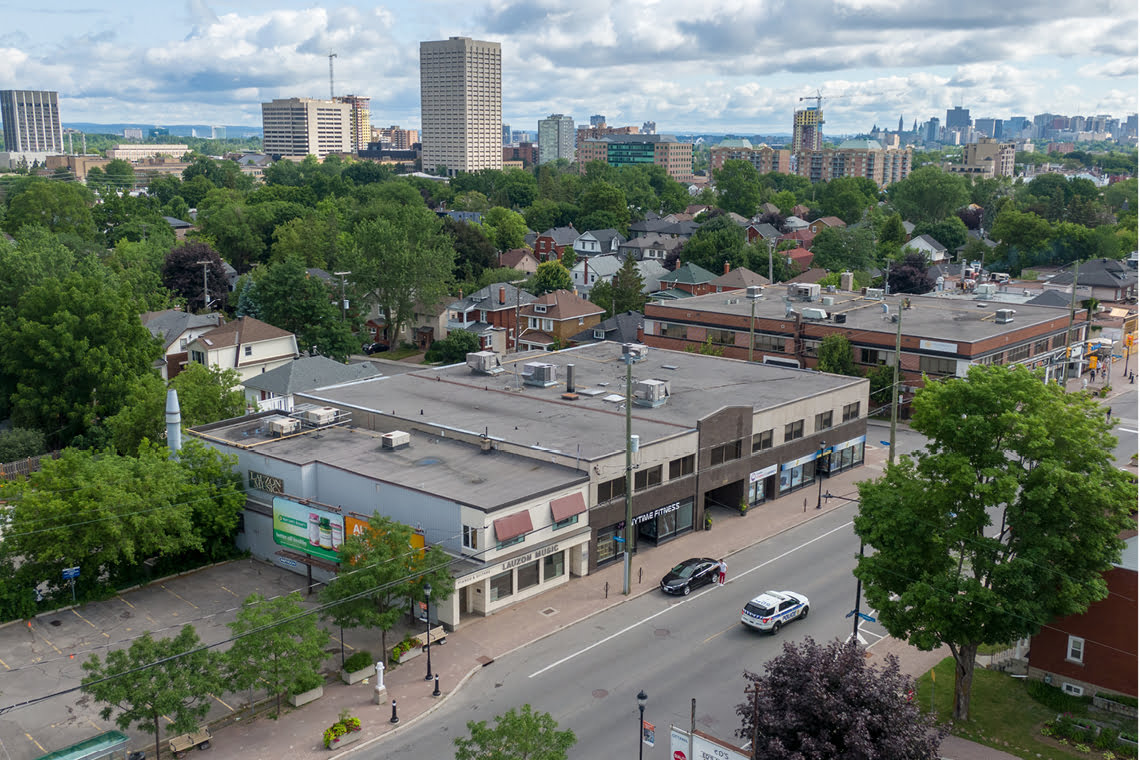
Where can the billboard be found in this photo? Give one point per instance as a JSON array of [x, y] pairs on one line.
[[705, 747], [307, 529]]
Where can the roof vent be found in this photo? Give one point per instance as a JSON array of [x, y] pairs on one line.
[[650, 393], [810, 313], [875, 294], [485, 363], [1003, 316], [753, 292], [635, 352], [539, 374], [397, 439], [803, 291], [828, 300]]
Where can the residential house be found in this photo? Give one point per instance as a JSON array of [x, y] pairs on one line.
[[667, 226], [620, 328], [550, 245], [427, 324], [470, 217], [181, 228], [803, 238], [555, 318], [819, 225], [274, 389], [813, 275], [799, 259], [492, 313], [1102, 279], [688, 278], [1094, 651], [737, 279], [177, 329], [588, 272], [793, 223], [800, 210], [651, 246], [246, 345], [598, 242], [768, 208], [761, 230], [928, 246], [521, 259]]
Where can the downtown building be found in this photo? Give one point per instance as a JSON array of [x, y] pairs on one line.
[[32, 129], [764, 158], [360, 120], [556, 138], [855, 158], [461, 105], [676, 158], [986, 158], [300, 127]]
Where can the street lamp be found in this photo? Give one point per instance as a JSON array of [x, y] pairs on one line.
[[427, 627], [641, 700], [819, 474], [343, 303]]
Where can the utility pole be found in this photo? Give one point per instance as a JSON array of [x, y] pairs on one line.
[[1069, 329], [895, 384], [343, 301], [205, 284], [331, 56], [628, 472], [771, 252], [858, 593]]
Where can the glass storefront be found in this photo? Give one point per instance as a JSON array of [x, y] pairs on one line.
[[847, 454], [665, 522], [502, 586], [798, 473], [760, 485], [528, 575], [607, 542], [553, 565]]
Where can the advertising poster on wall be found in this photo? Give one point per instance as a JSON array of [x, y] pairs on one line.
[[307, 529], [705, 747], [357, 526]]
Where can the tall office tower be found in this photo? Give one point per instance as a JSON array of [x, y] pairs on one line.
[[933, 130], [556, 138], [461, 104], [988, 127], [216, 133], [958, 118], [649, 128], [597, 120], [306, 126], [31, 121], [807, 129], [506, 135], [360, 120], [1130, 125]]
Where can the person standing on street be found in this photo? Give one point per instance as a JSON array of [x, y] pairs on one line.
[[723, 570], [1108, 414]]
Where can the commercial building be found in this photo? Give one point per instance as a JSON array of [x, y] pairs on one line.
[[856, 158], [594, 131], [764, 158], [306, 127], [958, 118], [556, 137], [31, 121], [515, 466], [986, 158], [140, 152], [461, 104], [807, 129], [360, 120], [395, 137], [676, 158]]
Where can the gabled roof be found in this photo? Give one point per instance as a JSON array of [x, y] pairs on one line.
[[930, 242], [177, 224], [171, 323], [1051, 298], [604, 237], [688, 274], [908, 227], [561, 235], [620, 328], [319, 274], [811, 275], [603, 266], [765, 230], [830, 221], [769, 208], [241, 331], [665, 227], [737, 218], [652, 240], [488, 298], [1102, 273], [739, 278], [512, 258], [672, 294], [560, 306], [795, 223], [307, 373]]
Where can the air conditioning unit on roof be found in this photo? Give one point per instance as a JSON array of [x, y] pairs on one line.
[[322, 415], [397, 439], [650, 393], [485, 362], [635, 351], [539, 374], [282, 426]]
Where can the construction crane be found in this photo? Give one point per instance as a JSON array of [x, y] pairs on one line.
[[818, 97], [331, 56]]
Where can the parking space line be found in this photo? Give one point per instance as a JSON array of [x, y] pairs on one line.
[[124, 601], [164, 588], [45, 638], [726, 630], [94, 725], [223, 704], [148, 617], [85, 620], [4, 664], [226, 589], [33, 741]]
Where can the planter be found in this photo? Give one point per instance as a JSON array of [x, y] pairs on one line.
[[413, 652], [1109, 705], [357, 675], [306, 697], [344, 739]]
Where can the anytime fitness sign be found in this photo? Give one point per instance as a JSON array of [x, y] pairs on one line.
[[657, 513]]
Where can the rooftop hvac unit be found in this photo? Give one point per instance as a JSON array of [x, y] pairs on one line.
[[397, 439], [839, 319], [754, 292], [828, 301], [540, 374], [280, 426], [985, 290], [874, 293], [322, 415], [635, 351], [650, 392], [485, 362], [804, 291], [810, 313], [1003, 316]]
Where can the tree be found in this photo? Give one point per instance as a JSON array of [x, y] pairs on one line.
[[627, 285], [20, 443], [911, 275], [517, 735], [549, 277], [474, 252], [836, 356], [171, 678], [784, 200], [715, 242], [738, 187], [951, 232], [276, 644], [505, 228], [454, 348], [602, 196], [289, 298], [62, 207], [380, 573], [184, 273], [823, 701], [1038, 458], [843, 249], [208, 394], [928, 194]]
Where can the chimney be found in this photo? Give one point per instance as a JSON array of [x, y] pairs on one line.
[[727, 268], [677, 267], [569, 378], [641, 333], [502, 294], [173, 422], [847, 281]]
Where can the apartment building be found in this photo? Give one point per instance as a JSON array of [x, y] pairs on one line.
[[807, 129], [556, 137], [395, 137], [128, 152], [31, 121], [986, 158], [306, 127], [676, 158], [764, 158], [360, 120], [856, 158], [461, 105]]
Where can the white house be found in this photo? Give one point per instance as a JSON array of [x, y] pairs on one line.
[[177, 329], [598, 243], [246, 345], [588, 272], [927, 245]]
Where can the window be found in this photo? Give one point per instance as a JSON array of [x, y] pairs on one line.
[[725, 453], [811, 348], [1041, 346], [249, 350], [1018, 354], [470, 537], [643, 479], [723, 337], [793, 430], [553, 565], [768, 343], [571, 520], [761, 441], [540, 308], [1076, 651], [1059, 341], [851, 412], [528, 575], [872, 356], [666, 330], [510, 542], [822, 421], [502, 585], [1069, 688], [681, 467], [933, 365], [198, 357], [611, 489]]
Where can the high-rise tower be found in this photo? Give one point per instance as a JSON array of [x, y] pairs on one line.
[[807, 129], [461, 104], [31, 121]]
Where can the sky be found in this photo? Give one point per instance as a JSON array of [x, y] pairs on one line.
[[714, 66]]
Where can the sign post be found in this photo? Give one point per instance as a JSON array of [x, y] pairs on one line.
[[70, 574]]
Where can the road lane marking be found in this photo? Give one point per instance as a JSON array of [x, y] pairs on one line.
[[718, 633], [226, 589], [124, 601], [164, 588], [685, 601], [223, 704], [94, 725], [1129, 430], [33, 741], [4, 664]]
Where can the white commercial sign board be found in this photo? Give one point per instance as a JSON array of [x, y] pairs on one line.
[[704, 747]]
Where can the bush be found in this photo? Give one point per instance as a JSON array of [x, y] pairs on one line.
[[1106, 739], [358, 661], [20, 443], [307, 682], [1054, 698], [402, 648], [1120, 699]]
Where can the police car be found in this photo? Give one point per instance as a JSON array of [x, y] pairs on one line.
[[770, 610]]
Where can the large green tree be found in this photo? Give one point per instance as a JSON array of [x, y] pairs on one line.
[[549, 277], [738, 187], [504, 227], [380, 574], [517, 735], [1007, 520], [843, 248], [289, 298], [929, 194], [62, 207], [836, 356], [716, 241], [189, 268], [604, 197], [155, 678]]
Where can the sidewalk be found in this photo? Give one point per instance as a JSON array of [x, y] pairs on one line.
[[479, 642]]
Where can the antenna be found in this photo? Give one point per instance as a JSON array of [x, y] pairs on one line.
[[331, 56]]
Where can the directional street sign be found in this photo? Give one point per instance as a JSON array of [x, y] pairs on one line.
[[70, 573], [862, 616]]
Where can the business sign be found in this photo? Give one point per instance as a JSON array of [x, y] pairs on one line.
[[761, 474], [261, 482], [705, 747], [657, 513], [853, 442], [307, 529], [935, 345]]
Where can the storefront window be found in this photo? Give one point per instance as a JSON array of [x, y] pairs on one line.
[[758, 492], [666, 522], [793, 476], [607, 545], [848, 455], [502, 586], [553, 565], [528, 575]]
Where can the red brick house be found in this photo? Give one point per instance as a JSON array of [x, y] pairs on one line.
[[802, 238], [1096, 651], [556, 318], [549, 245], [487, 311]]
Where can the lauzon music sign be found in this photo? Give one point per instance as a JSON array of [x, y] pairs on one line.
[[536, 554]]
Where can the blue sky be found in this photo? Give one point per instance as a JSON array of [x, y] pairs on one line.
[[716, 66]]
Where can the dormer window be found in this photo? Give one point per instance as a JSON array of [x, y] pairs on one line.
[[540, 308], [599, 334]]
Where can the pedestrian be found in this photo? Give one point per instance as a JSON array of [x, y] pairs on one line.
[[723, 567], [1108, 414], [1131, 377]]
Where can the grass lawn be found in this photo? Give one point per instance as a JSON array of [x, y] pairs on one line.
[[1002, 714], [403, 352]]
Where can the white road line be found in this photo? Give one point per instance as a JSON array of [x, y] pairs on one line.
[[736, 576], [1129, 430]]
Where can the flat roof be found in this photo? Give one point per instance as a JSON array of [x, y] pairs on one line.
[[433, 464], [930, 316], [591, 427]]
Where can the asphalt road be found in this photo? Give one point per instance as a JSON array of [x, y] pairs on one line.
[[675, 648]]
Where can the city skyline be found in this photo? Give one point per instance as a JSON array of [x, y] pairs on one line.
[[729, 68]]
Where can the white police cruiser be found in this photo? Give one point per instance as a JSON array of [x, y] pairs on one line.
[[770, 610]]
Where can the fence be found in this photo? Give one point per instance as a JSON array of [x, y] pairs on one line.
[[24, 467]]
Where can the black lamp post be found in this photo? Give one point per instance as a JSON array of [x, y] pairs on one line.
[[641, 700], [819, 474], [427, 627]]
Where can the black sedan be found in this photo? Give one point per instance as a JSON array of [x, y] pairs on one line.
[[690, 574]]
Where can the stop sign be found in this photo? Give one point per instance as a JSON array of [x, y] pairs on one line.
[[678, 755]]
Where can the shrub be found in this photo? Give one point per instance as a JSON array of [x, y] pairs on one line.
[[1106, 739], [343, 725], [358, 661], [1120, 699], [306, 682], [1054, 698], [402, 648]]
